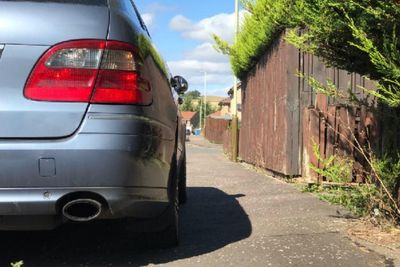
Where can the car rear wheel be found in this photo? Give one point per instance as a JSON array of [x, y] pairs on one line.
[[155, 237], [170, 236]]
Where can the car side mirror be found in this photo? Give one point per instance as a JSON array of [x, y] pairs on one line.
[[180, 100], [180, 85]]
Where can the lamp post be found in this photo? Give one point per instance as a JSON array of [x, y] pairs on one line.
[[201, 111], [235, 121], [205, 94]]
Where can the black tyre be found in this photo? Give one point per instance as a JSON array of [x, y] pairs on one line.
[[170, 236], [182, 181]]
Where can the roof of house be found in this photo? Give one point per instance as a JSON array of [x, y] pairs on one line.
[[219, 115], [188, 115], [239, 87], [225, 101], [215, 114]]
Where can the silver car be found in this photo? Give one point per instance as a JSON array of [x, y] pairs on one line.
[[89, 124]]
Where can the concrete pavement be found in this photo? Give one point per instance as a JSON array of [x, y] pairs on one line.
[[234, 217], [284, 227]]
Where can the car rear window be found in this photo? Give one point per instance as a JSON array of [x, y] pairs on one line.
[[81, 2]]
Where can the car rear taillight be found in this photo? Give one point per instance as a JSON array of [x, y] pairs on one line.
[[95, 71]]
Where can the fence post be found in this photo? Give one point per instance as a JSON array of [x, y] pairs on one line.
[[234, 139]]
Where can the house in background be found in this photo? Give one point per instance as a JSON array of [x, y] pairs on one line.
[[213, 101], [225, 104], [191, 119]]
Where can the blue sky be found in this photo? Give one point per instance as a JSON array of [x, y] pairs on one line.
[[181, 30]]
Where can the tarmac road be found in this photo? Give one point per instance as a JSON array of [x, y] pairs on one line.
[[234, 217]]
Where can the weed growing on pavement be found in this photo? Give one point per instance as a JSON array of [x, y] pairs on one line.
[[17, 264], [376, 198], [336, 169], [357, 199]]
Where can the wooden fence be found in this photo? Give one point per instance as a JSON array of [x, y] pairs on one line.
[[335, 126], [269, 129], [215, 129], [283, 116]]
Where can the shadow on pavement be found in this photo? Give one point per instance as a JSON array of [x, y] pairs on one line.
[[210, 220]]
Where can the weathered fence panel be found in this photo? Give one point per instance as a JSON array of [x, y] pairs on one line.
[[330, 123], [227, 145], [270, 112], [227, 137], [215, 129], [283, 116]]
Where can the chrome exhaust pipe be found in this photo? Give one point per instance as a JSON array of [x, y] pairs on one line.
[[82, 210]]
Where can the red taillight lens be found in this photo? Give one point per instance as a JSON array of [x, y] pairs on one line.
[[89, 71], [119, 79], [115, 87], [66, 72]]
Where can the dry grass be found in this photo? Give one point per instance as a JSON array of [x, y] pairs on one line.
[[383, 235]]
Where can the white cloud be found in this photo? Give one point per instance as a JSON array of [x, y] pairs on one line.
[[204, 57], [148, 19], [205, 52], [151, 12], [197, 66], [180, 23], [221, 24]]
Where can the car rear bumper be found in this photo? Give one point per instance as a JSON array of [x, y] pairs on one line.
[[86, 160], [40, 208], [126, 169], [109, 150]]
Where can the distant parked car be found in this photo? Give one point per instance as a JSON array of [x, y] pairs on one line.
[[89, 123]]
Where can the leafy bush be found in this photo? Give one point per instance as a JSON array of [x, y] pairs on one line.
[[17, 264], [356, 35], [375, 198], [334, 169], [357, 199], [388, 170], [193, 104], [264, 22]]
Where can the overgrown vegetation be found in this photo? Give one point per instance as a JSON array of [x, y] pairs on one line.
[[336, 169], [264, 21], [375, 198], [193, 102], [17, 264], [355, 35], [354, 198], [363, 199]]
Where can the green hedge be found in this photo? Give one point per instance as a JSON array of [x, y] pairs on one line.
[[266, 20], [356, 35]]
